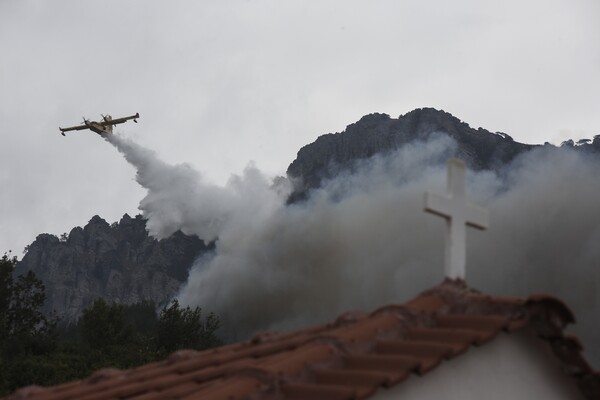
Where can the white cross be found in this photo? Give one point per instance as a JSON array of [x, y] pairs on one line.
[[453, 206]]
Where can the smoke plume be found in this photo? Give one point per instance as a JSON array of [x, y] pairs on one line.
[[362, 240]]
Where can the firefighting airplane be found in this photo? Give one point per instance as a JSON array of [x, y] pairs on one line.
[[103, 127]]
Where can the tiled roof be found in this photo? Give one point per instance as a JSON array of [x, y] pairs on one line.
[[350, 358]]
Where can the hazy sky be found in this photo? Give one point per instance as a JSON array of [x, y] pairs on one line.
[[220, 84]]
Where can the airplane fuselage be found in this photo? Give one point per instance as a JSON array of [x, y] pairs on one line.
[[99, 129]]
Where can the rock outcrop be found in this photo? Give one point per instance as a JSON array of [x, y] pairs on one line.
[[117, 262], [379, 134]]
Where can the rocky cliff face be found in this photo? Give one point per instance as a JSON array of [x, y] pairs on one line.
[[117, 262], [378, 133]]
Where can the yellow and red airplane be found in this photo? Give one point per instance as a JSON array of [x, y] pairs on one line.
[[103, 127]]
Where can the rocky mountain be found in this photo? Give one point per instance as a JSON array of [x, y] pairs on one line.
[[378, 133], [117, 262]]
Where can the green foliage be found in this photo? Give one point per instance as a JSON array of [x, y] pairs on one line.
[[47, 369], [104, 325], [143, 317], [23, 327], [24, 331], [180, 328]]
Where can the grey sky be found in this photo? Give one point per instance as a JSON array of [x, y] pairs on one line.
[[219, 84]]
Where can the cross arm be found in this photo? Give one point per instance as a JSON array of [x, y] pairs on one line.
[[437, 204], [477, 217]]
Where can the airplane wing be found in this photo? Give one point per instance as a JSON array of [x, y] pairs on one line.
[[119, 120], [74, 128]]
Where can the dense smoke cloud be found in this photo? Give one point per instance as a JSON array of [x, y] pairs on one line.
[[363, 240], [179, 198]]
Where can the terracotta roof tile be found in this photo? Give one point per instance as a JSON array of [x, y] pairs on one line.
[[175, 392], [324, 392], [347, 377], [430, 355], [349, 358], [236, 388]]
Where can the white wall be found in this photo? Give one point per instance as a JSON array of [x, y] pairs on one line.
[[513, 366]]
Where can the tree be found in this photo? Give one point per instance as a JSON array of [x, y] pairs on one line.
[[25, 333], [142, 316], [104, 325], [7, 266], [23, 327], [180, 328]]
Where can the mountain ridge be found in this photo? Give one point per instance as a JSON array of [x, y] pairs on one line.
[[378, 133]]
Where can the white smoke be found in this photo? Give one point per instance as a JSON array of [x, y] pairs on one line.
[[179, 198], [363, 240]]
